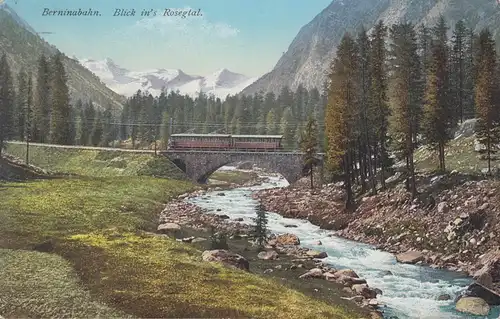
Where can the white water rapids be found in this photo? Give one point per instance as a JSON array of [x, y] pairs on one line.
[[409, 291]]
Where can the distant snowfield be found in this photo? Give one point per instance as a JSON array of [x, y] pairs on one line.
[[220, 83]]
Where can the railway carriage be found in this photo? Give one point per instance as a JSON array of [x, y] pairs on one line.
[[248, 143], [200, 141]]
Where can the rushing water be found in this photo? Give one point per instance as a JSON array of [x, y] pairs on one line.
[[409, 291]]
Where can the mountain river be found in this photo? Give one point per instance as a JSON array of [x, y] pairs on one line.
[[409, 291]]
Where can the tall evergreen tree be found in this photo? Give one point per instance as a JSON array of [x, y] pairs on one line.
[[486, 90], [108, 129], [97, 130], [20, 109], [341, 112], [458, 70], [286, 128], [378, 110], [165, 130], [437, 119], [405, 98], [60, 115], [7, 100], [309, 145], [260, 231], [42, 103]]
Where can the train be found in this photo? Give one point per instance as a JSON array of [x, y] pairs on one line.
[[226, 142]]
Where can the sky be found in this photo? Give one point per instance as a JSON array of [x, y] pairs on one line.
[[246, 37]]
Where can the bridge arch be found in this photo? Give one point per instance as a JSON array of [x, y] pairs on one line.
[[180, 164]]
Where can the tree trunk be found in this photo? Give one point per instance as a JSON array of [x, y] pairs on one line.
[[382, 164], [312, 173], [347, 182]]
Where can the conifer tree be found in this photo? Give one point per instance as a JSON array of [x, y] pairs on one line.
[[458, 68], [165, 130], [260, 231], [405, 99], [486, 90], [108, 129], [341, 112], [286, 128], [97, 130], [7, 100], [42, 102], [21, 100], [271, 123], [60, 129], [309, 145], [437, 115]]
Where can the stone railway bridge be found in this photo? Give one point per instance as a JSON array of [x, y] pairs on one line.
[[199, 165]]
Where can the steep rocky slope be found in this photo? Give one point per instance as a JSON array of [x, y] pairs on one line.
[[23, 47], [310, 54]]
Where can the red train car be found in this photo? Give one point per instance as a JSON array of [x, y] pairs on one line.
[[200, 141], [257, 142], [249, 143]]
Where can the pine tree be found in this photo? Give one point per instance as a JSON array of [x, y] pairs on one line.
[[7, 100], [42, 103], [108, 130], [21, 100], [260, 231], [97, 130], [405, 96], [286, 128], [309, 145], [88, 118], [437, 121], [458, 68], [271, 123], [165, 130], [60, 130], [486, 90], [341, 112]]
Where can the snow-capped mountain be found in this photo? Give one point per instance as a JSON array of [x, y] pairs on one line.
[[126, 82]]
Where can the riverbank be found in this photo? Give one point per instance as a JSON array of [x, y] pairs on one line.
[[283, 259], [452, 226]]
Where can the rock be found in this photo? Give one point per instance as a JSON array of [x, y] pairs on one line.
[[168, 228], [227, 258], [318, 243], [222, 216], [376, 315], [443, 208], [198, 240], [410, 257], [313, 273], [387, 273], [485, 279], [473, 305], [365, 291], [350, 281], [316, 254], [221, 194], [346, 272], [238, 219], [287, 239], [290, 226], [480, 291], [268, 255], [444, 297], [188, 239]]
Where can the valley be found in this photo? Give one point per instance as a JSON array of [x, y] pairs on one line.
[[358, 178]]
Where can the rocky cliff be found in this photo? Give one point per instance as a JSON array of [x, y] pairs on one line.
[[309, 55]]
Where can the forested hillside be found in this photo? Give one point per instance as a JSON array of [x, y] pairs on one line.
[[23, 48]]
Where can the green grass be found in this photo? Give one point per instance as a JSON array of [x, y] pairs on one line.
[[97, 225], [238, 177], [97, 163], [459, 155]]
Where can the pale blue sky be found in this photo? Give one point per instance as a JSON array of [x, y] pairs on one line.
[[244, 36]]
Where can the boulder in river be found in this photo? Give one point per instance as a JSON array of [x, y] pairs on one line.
[[477, 290], [346, 272], [227, 258], [287, 239], [473, 305], [316, 254], [410, 257]]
